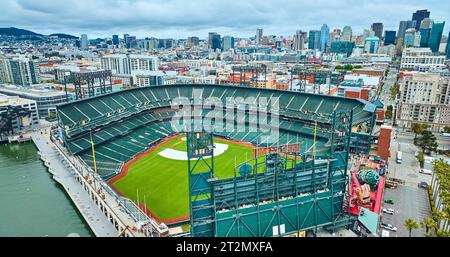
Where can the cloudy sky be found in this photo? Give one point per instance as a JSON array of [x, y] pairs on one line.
[[182, 18]]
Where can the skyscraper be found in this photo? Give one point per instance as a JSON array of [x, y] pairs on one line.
[[403, 26], [324, 31], [228, 43], [259, 35], [84, 42], [314, 39], [115, 40], [447, 50], [418, 16], [216, 42], [426, 23], [192, 41], [424, 36], [210, 37], [409, 37], [334, 35], [389, 37], [300, 40], [377, 27], [435, 36], [346, 34], [371, 45]]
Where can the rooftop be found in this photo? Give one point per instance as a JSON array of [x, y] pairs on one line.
[[43, 90]]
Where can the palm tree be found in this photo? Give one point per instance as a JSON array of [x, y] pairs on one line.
[[428, 223], [443, 233], [411, 224]]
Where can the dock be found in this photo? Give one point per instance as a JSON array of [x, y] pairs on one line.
[[63, 174]]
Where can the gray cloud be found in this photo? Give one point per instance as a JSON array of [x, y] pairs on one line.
[[181, 18]]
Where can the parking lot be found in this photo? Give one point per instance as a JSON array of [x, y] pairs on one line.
[[410, 201]]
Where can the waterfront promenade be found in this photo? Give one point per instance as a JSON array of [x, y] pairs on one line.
[[64, 174]]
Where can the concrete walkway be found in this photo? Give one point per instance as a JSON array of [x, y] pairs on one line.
[[63, 174]]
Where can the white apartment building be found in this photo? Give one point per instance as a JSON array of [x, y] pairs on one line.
[[18, 70], [424, 98], [130, 64], [421, 59]]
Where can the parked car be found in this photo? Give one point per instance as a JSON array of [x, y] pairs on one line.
[[389, 211], [423, 185], [389, 227], [425, 171], [389, 201]]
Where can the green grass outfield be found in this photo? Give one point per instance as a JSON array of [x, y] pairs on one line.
[[164, 182]]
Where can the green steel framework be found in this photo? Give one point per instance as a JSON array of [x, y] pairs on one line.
[[201, 204], [320, 77], [255, 71], [278, 201]]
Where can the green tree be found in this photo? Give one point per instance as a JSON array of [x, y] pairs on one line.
[[446, 129], [418, 128], [442, 233], [428, 223], [394, 91], [411, 224], [427, 141], [389, 111], [348, 67], [421, 159], [51, 116]]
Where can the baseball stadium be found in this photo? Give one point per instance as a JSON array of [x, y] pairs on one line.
[[224, 182]]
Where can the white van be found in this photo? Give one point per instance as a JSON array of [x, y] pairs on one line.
[[399, 157]]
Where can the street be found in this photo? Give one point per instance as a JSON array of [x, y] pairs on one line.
[[389, 82]]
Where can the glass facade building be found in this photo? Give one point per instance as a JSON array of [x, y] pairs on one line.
[[324, 33], [389, 37], [435, 36], [343, 47], [314, 39]]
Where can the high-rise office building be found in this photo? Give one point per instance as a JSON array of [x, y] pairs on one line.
[[300, 40], [418, 16], [426, 23], [131, 42], [115, 40], [259, 35], [389, 37], [403, 26], [334, 35], [371, 45], [447, 50], [377, 27], [192, 41], [435, 36], [216, 42], [228, 43], [324, 32], [409, 37], [417, 38], [84, 42], [346, 34], [314, 39], [424, 36]]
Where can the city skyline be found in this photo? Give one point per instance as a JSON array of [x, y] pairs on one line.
[[181, 19]]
